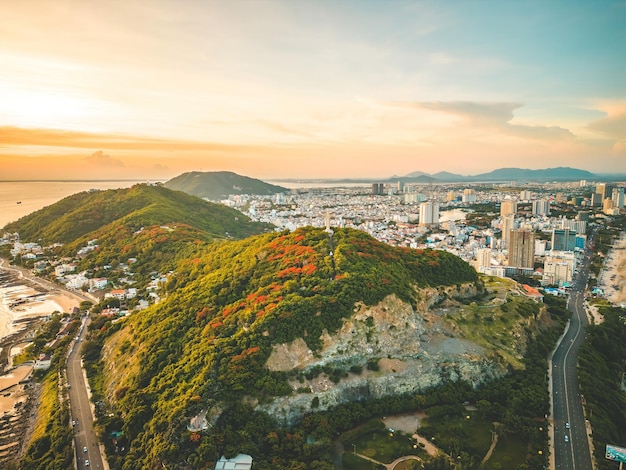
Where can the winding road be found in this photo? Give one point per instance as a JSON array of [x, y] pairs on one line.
[[571, 443]]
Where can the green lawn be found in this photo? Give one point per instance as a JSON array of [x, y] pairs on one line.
[[352, 462], [510, 452], [455, 433], [376, 442]]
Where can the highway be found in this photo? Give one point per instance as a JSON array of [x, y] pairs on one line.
[[84, 436], [571, 443]]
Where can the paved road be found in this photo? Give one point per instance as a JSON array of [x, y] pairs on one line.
[[571, 444], [84, 435]]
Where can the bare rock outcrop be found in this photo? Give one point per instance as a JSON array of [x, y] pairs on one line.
[[413, 349]]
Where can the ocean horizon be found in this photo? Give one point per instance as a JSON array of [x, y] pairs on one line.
[[21, 198]]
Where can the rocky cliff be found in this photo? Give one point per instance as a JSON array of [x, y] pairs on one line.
[[407, 350]]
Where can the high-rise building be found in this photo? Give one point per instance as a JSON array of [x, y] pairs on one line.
[[563, 239], [596, 199], [508, 224], [578, 226], [522, 249], [525, 195], [541, 207], [378, 188], [429, 214], [618, 197], [469, 195], [451, 196], [483, 258], [605, 190], [508, 207], [607, 206]]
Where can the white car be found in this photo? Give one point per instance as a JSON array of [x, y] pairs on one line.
[[86, 463], [566, 438], [85, 449], [566, 425]]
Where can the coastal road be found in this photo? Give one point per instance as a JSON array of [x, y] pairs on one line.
[[84, 435], [571, 443]]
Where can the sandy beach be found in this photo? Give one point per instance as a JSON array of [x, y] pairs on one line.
[[23, 296], [613, 275]]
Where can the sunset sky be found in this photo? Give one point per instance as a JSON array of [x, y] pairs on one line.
[[309, 88]]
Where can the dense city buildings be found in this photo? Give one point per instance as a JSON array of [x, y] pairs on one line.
[[435, 216]]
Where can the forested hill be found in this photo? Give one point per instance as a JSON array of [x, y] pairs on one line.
[[151, 225], [205, 346], [216, 185], [92, 213]]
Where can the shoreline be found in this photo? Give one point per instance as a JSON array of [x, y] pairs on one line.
[[25, 298]]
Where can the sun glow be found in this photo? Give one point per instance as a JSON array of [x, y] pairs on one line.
[[47, 109]]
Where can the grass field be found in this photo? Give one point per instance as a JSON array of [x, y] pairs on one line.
[[509, 453], [376, 442]]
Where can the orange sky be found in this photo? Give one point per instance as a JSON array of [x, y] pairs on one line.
[[309, 89]]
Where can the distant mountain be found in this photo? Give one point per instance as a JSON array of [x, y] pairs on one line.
[[560, 173], [218, 185], [415, 174], [447, 176], [503, 174]]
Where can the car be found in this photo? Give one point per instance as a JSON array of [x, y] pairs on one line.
[[74, 422], [85, 449], [566, 425], [86, 463], [566, 438]]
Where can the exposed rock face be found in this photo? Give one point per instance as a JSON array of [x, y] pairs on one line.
[[415, 349]]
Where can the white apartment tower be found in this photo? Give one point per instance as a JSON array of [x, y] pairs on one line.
[[429, 214], [508, 224], [541, 207], [469, 195], [483, 259]]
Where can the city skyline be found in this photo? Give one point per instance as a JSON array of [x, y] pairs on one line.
[[351, 89]]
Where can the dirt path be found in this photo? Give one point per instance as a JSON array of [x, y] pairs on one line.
[[429, 447], [492, 447]]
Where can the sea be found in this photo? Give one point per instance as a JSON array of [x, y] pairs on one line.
[[20, 198]]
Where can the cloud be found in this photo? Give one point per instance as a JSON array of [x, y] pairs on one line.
[[496, 116], [613, 126], [100, 158], [475, 113], [19, 136]]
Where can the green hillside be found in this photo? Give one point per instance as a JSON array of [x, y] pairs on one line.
[[206, 344], [152, 224], [142, 205], [219, 184]]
